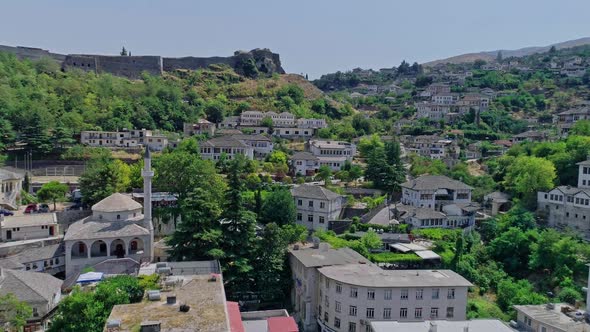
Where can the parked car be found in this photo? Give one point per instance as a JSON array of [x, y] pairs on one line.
[[31, 208], [6, 213], [43, 208]]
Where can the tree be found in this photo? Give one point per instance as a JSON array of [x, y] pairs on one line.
[[512, 249], [520, 292], [581, 127], [552, 50], [355, 172], [102, 178], [14, 312], [278, 207], [324, 173], [368, 144], [528, 175], [499, 57], [371, 240], [270, 269], [123, 52], [52, 191], [215, 111]]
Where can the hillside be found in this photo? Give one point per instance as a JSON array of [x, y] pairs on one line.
[[491, 55]]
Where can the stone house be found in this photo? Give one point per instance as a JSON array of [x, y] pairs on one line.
[[201, 127], [333, 154], [124, 139], [29, 227], [213, 149], [42, 292], [316, 206], [304, 163], [567, 119], [261, 145]]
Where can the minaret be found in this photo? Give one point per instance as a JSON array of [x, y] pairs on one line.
[[147, 175]]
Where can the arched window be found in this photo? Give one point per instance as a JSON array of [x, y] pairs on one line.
[[133, 245], [118, 216]]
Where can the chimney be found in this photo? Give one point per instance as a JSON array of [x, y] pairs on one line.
[[171, 299]]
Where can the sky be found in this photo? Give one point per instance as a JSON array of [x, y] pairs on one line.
[[312, 36]]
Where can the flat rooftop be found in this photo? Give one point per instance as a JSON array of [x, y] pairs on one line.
[[184, 268], [369, 275], [477, 325], [207, 312], [554, 317], [326, 256]]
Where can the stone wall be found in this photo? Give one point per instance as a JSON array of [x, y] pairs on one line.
[[31, 53], [193, 63], [127, 66]]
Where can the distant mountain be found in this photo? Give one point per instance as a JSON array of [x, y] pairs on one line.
[[491, 55]]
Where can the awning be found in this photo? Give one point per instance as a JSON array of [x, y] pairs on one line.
[[427, 254], [90, 277]]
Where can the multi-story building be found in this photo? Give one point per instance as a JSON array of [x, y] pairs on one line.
[[551, 317], [228, 145], [475, 325], [339, 290], [432, 111], [316, 206], [261, 145], [124, 139], [438, 88], [333, 154], [436, 201], [567, 119], [304, 163], [567, 206], [11, 185], [304, 264], [251, 118], [433, 147], [201, 127], [448, 98]]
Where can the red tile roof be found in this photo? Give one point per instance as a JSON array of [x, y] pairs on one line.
[[282, 324], [235, 318]]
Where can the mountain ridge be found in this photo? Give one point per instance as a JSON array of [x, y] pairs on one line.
[[491, 55]]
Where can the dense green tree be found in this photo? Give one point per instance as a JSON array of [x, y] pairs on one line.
[[520, 292], [103, 177], [53, 191], [278, 207], [512, 248], [528, 175], [324, 174]]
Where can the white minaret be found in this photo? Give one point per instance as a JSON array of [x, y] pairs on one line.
[[147, 175]]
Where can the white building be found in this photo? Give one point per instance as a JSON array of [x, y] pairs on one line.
[[228, 145], [551, 317], [333, 154], [316, 206], [261, 145], [10, 187], [475, 325], [304, 163], [29, 227], [336, 290], [124, 139], [48, 259], [567, 206], [116, 229], [294, 132]]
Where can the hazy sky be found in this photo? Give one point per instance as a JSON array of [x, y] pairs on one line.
[[312, 36]]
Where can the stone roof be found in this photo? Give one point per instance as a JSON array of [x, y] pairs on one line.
[[576, 111], [255, 137], [369, 275], [552, 317], [531, 133], [225, 141], [11, 263], [88, 228], [585, 162], [29, 286], [41, 253], [498, 196], [115, 203], [7, 175], [33, 219], [313, 192], [303, 156], [326, 256], [433, 182], [569, 190]]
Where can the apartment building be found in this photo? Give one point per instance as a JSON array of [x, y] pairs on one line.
[[124, 139], [332, 153], [569, 207], [316, 206]]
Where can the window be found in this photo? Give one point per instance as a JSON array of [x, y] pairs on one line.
[[326, 301], [118, 216], [418, 313], [386, 313], [327, 281], [433, 312], [387, 294], [310, 203], [419, 293], [403, 313], [451, 293], [338, 288], [370, 312], [370, 294], [299, 202], [299, 217], [351, 327], [322, 205], [336, 322], [326, 317], [435, 292], [352, 310], [450, 312], [310, 217], [322, 220], [404, 294], [338, 307], [354, 292], [35, 312]]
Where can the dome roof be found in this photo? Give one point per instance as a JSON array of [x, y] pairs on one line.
[[115, 203]]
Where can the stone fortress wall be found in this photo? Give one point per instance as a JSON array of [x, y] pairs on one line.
[[266, 62]]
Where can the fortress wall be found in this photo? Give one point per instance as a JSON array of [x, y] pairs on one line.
[[31, 53], [194, 63], [129, 66]]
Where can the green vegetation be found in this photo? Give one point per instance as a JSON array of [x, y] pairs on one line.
[[13, 313], [53, 191]]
